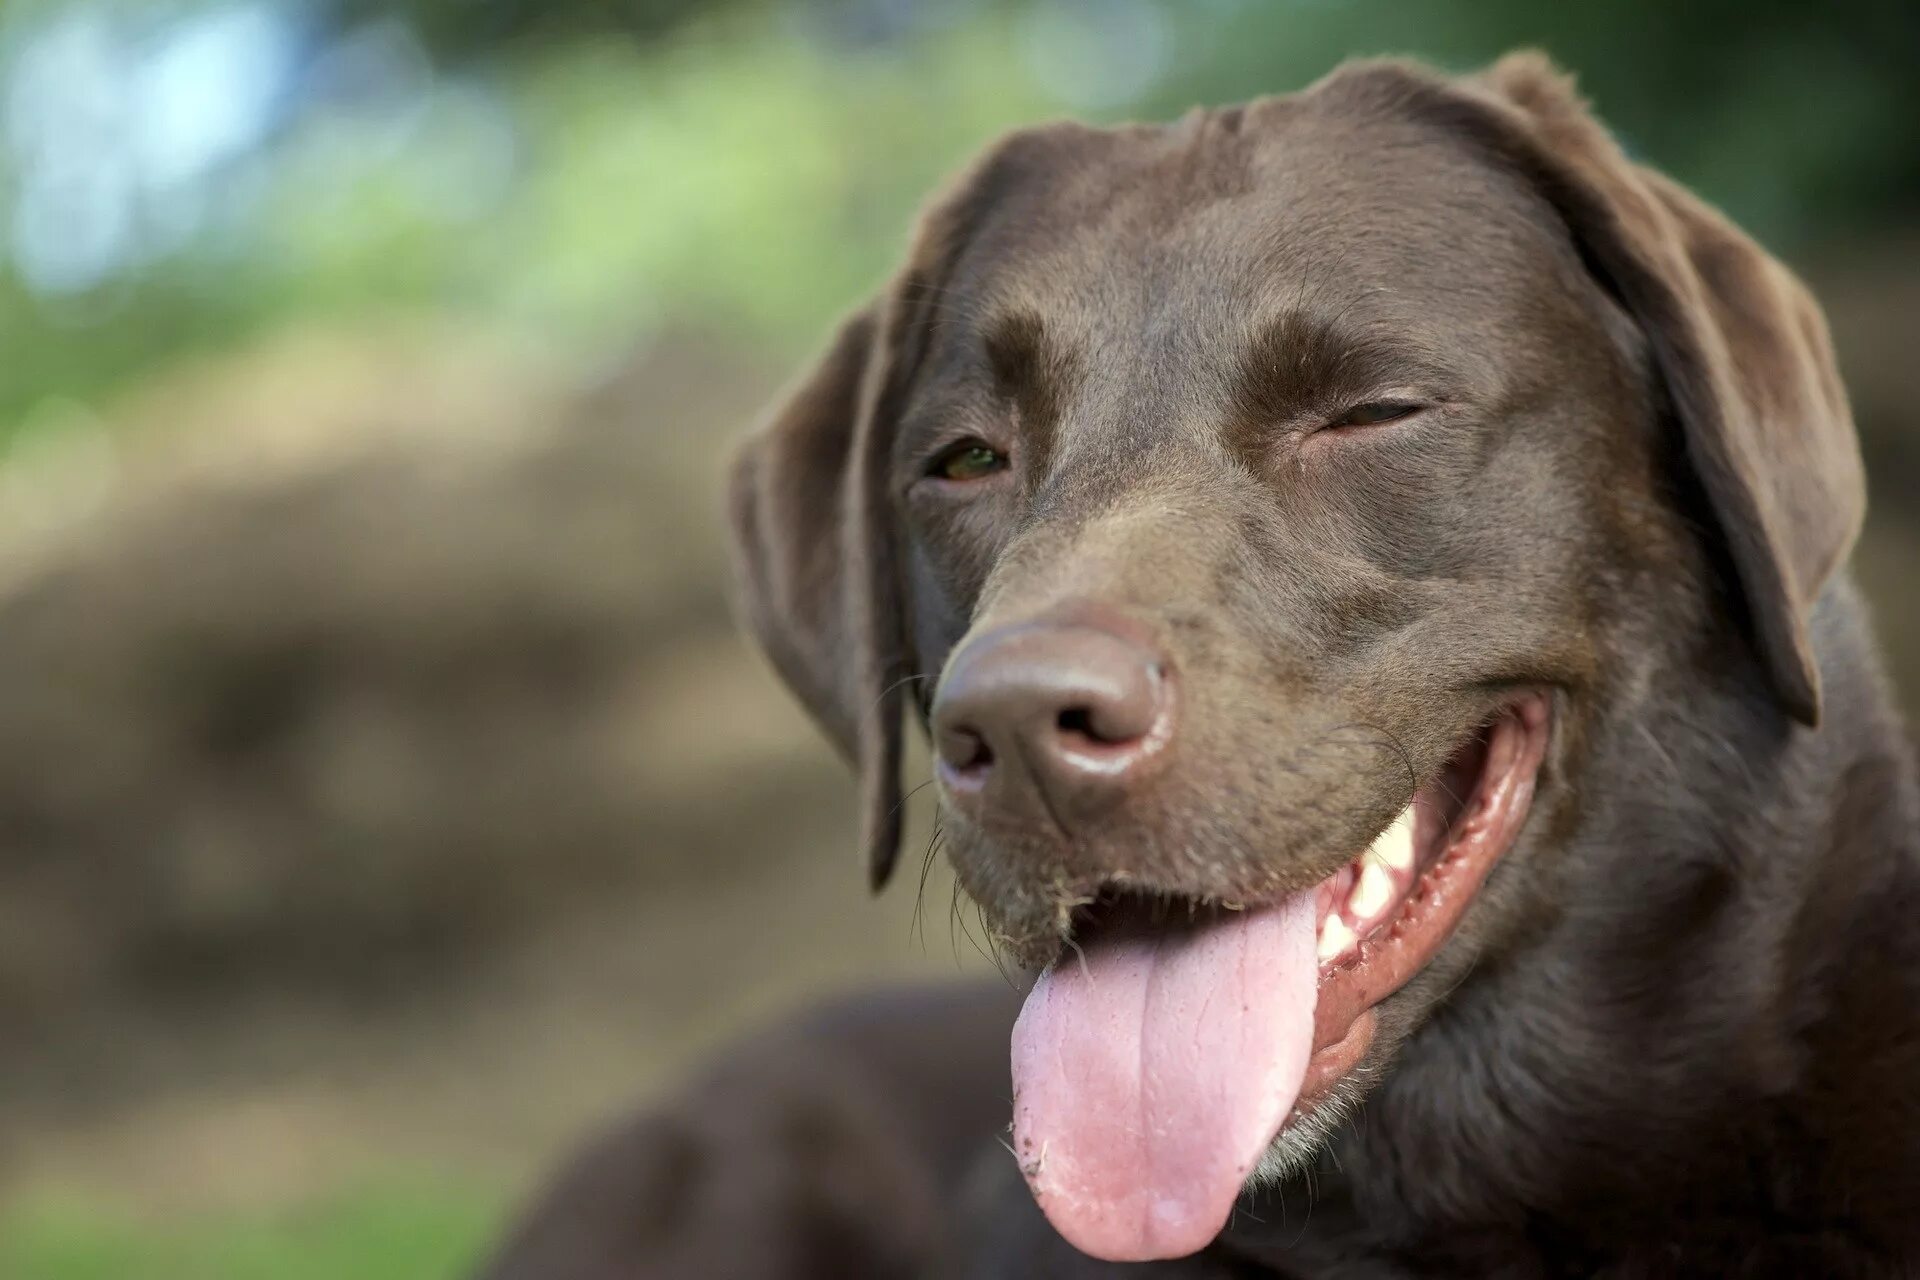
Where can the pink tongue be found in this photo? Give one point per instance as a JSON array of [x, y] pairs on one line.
[[1149, 1078]]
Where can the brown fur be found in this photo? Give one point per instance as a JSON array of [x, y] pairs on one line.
[[1679, 1031]]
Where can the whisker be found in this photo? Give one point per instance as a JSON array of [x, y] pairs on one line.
[[953, 919], [960, 916], [918, 924], [993, 950], [910, 795], [903, 680]]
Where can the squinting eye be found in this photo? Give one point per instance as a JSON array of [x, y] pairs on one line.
[[970, 460], [1372, 415]]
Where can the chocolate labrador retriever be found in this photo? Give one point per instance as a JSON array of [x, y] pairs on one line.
[[1370, 563]]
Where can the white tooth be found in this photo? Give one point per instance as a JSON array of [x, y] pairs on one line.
[[1371, 896], [1394, 846], [1335, 937]]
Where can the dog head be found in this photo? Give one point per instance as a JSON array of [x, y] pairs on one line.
[[1264, 514]]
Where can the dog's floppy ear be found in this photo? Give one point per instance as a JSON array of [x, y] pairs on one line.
[[818, 585], [1742, 348], [814, 528]]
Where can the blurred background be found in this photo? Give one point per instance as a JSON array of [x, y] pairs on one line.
[[385, 797]]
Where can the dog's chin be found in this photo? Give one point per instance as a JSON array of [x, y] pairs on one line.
[[1297, 1147]]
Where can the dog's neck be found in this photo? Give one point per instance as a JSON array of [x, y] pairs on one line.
[[1726, 952]]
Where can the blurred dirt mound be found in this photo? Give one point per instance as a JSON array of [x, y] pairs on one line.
[[372, 649]]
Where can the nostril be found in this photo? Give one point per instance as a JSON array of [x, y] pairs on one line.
[[965, 750], [979, 755], [1121, 717], [1097, 726], [1077, 720]]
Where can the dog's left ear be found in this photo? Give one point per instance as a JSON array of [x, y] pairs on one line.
[[1743, 350]]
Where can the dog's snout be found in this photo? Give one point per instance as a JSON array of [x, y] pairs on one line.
[[1050, 720]]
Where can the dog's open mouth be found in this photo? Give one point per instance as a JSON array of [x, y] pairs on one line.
[[1156, 1063]]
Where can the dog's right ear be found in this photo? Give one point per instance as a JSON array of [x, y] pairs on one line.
[[818, 585]]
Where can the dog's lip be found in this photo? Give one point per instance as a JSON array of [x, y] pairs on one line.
[[1469, 845]]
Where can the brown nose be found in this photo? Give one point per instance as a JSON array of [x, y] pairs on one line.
[[1049, 720]]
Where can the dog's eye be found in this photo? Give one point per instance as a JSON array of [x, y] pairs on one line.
[[1373, 415], [968, 460]]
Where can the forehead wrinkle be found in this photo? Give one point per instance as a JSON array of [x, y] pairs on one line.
[[1307, 357], [1033, 374]]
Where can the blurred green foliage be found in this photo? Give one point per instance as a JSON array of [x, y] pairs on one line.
[[386, 1232], [578, 173]]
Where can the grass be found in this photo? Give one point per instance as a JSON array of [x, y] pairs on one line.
[[405, 1231]]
